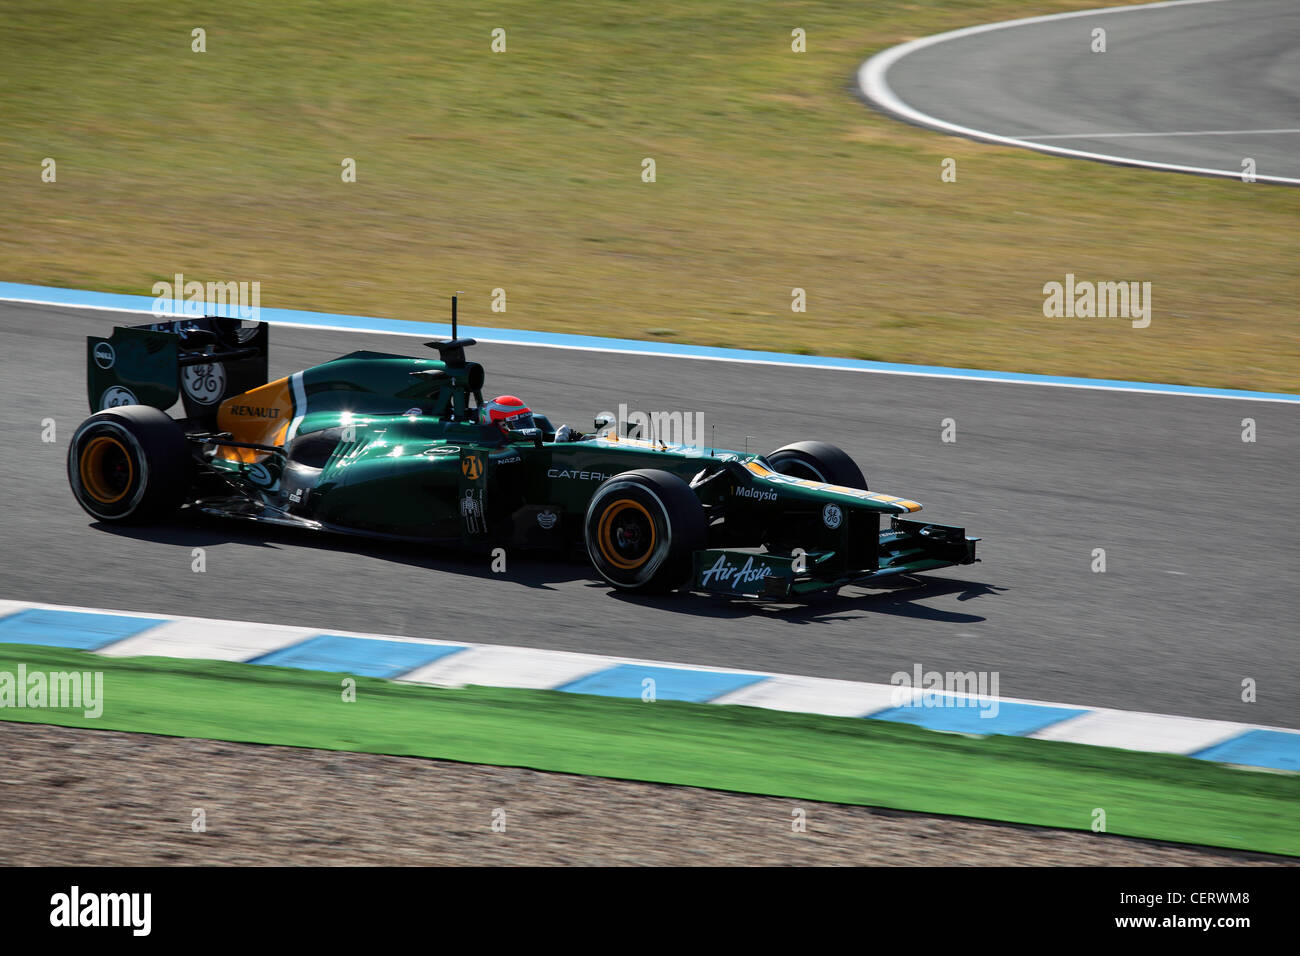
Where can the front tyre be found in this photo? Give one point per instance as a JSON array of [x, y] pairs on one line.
[[642, 528], [818, 461], [129, 464]]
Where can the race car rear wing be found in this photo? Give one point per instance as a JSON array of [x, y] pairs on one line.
[[201, 361]]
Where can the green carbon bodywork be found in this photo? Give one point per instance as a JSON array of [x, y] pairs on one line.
[[390, 445]]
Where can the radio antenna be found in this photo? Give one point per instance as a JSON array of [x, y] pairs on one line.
[[454, 333], [452, 352]]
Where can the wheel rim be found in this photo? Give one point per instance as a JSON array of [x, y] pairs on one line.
[[106, 470], [626, 534]]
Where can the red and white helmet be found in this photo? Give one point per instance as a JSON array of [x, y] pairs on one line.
[[506, 412]]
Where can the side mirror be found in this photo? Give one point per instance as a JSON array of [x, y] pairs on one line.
[[533, 435]]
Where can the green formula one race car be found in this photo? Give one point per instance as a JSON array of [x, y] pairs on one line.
[[391, 446]]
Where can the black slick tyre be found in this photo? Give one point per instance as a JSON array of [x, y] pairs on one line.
[[129, 464], [642, 528]]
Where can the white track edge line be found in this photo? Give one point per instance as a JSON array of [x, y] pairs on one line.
[[993, 377]]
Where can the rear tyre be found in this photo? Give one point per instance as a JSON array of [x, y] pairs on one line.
[[129, 464], [818, 461], [642, 528]]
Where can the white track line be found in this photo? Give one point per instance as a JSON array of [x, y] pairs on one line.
[[829, 365], [871, 80], [1199, 132]]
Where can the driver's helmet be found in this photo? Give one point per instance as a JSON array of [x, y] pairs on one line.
[[507, 413]]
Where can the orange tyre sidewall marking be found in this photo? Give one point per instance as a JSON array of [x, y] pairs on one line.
[[604, 542], [90, 469]]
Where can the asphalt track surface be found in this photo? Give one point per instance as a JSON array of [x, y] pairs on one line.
[[1200, 85], [1198, 528]]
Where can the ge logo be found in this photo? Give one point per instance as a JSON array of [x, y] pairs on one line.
[[832, 515], [204, 383], [116, 397], [471, 467]]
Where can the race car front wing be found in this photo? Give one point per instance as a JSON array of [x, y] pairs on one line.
[[908, 546]]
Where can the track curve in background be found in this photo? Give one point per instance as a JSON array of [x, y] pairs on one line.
[[1192, 86]]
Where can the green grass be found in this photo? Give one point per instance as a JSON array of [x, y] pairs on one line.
[[521, 171], [740, 749]]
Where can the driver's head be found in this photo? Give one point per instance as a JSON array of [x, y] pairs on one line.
[[507, 413]]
